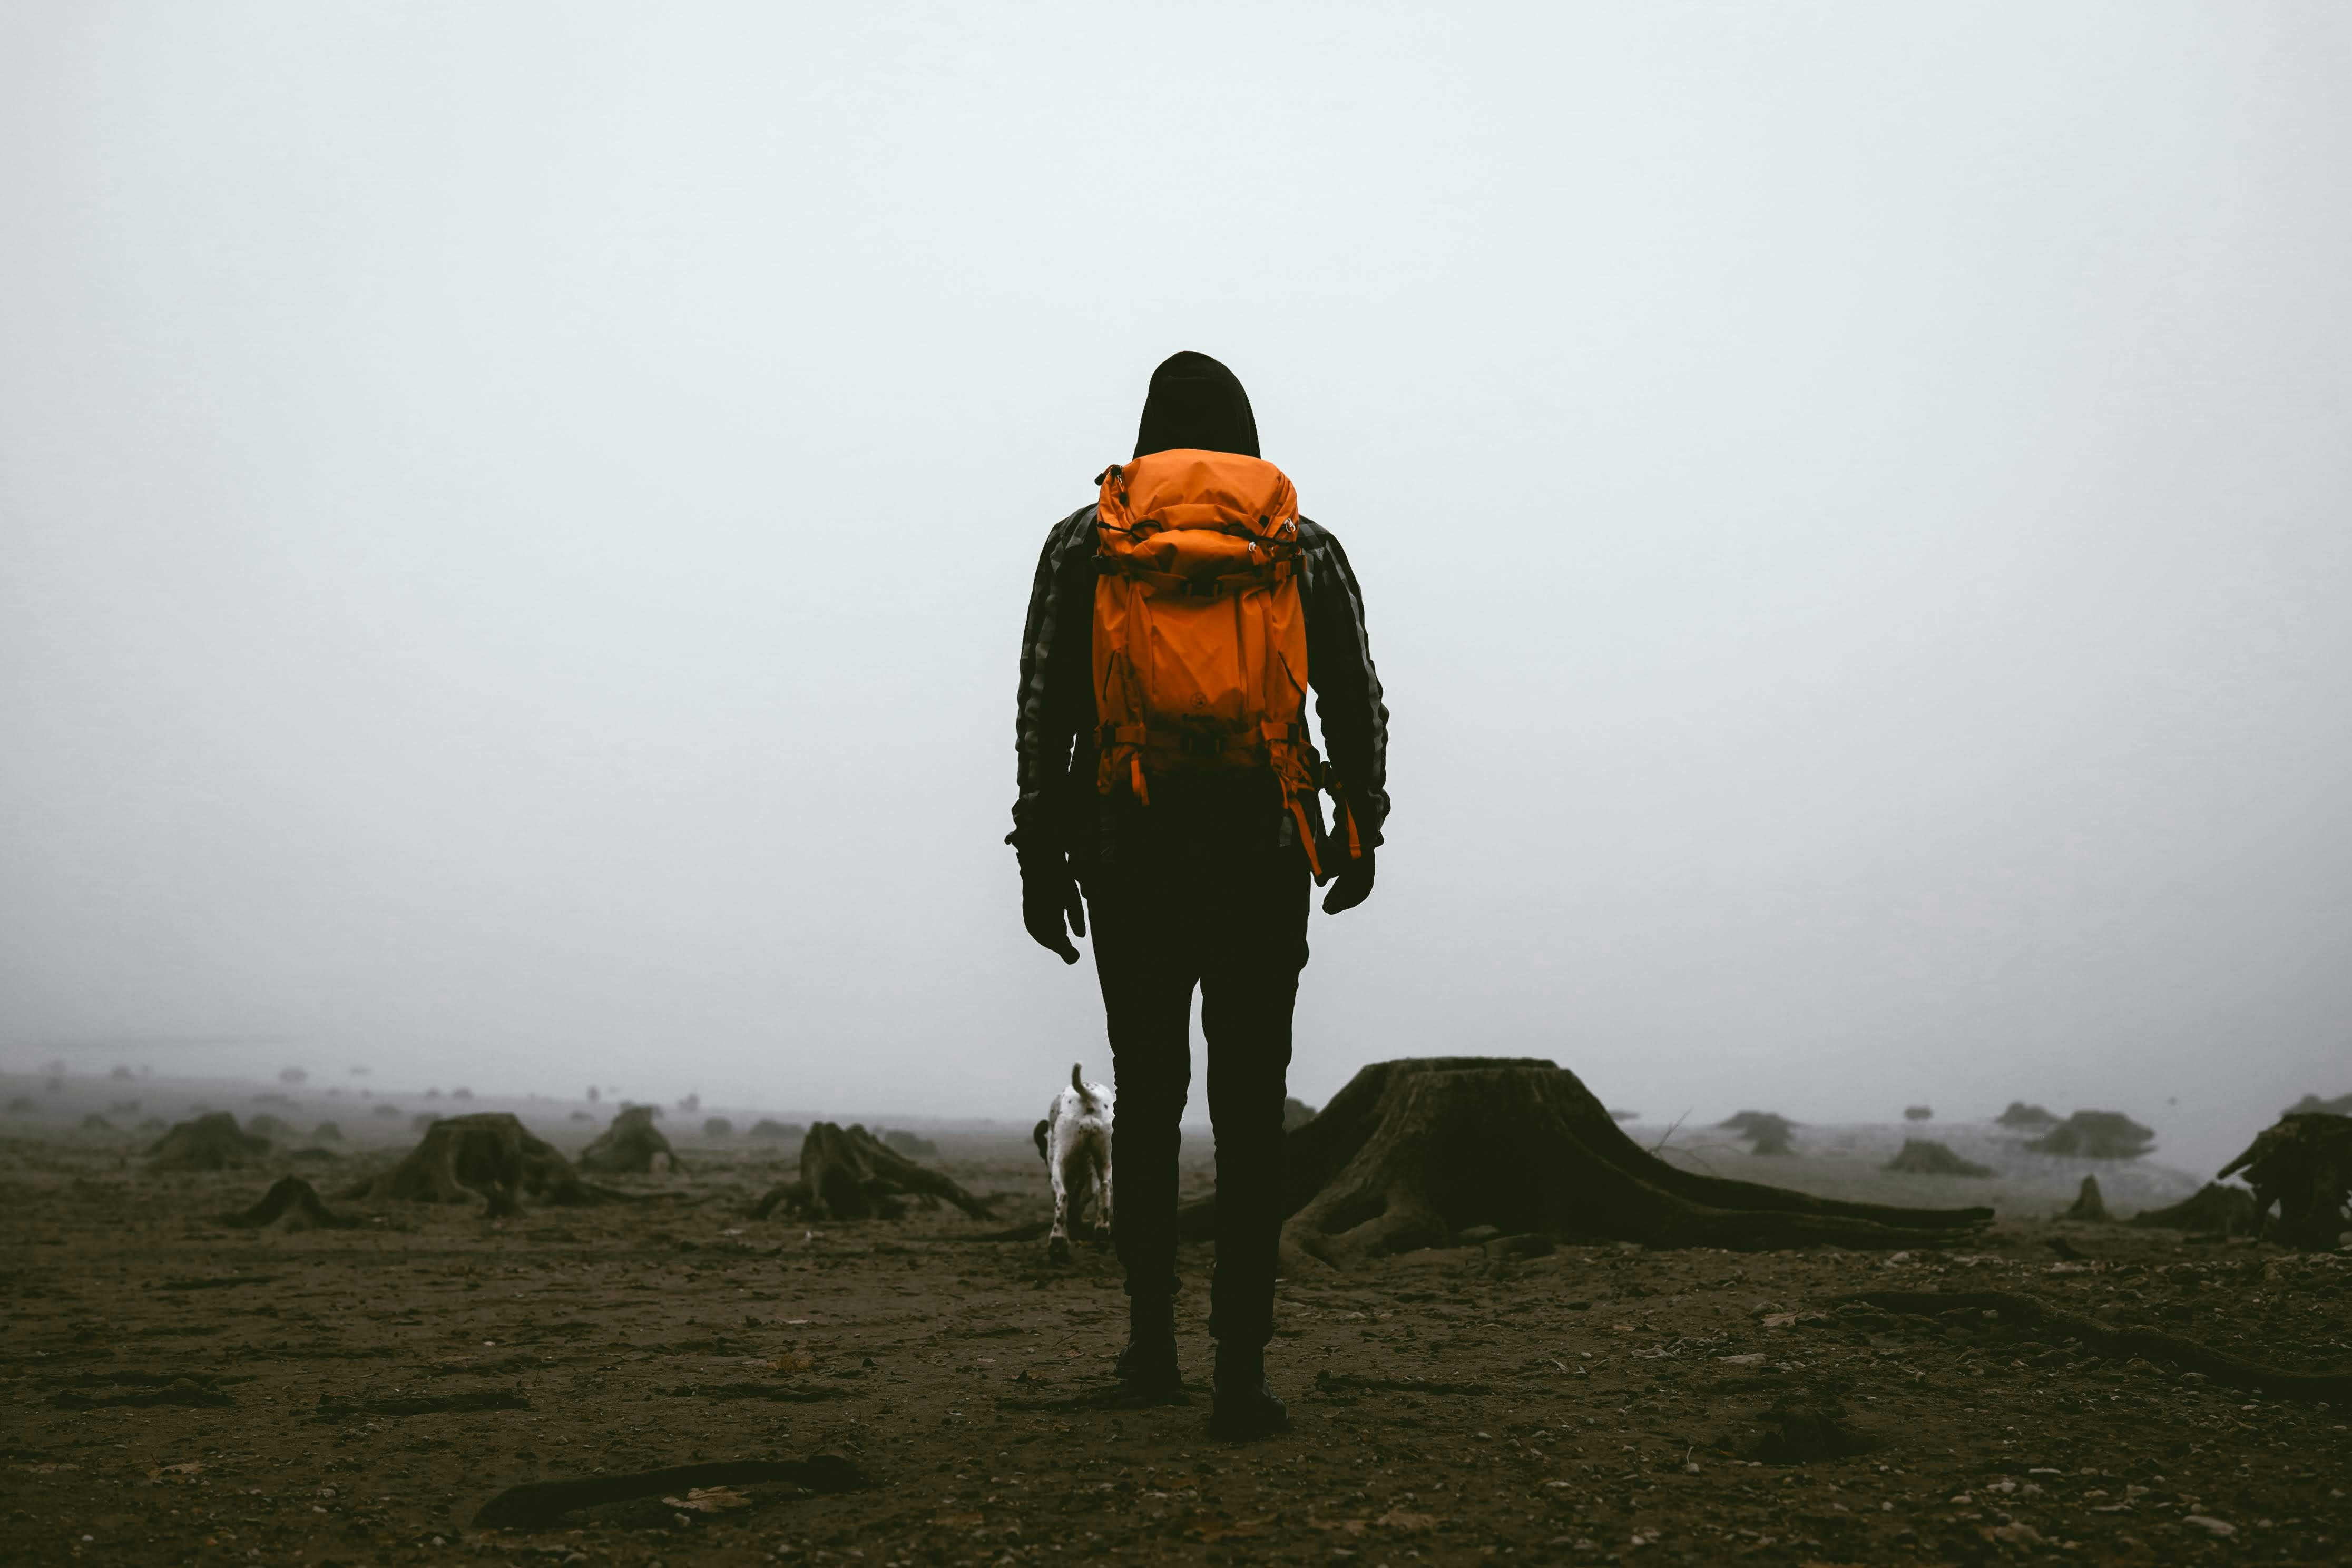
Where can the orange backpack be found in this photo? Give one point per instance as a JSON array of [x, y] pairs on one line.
[[1200, 638]]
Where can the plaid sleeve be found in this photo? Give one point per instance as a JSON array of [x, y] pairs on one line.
[[1056, 689], [1349, 703]]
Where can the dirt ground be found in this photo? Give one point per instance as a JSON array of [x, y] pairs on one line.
[[181, 1391]]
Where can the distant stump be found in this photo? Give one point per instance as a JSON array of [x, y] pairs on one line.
[[630, 1146], [211, 1143]]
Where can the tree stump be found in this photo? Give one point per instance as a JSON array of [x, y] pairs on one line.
[[848, 1173], [489, 1155], [213, 1142], [1769, 1132], [2089, 1208], [2095, 1135], [629, 1146], [1414, 1153], [292, 1204], [2303, 1162]]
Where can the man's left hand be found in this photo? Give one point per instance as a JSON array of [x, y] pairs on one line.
[[1351, 886]]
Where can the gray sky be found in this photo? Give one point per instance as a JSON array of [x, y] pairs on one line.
[[517, 522]]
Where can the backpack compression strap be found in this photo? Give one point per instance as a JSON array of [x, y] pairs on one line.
[[1287, 754]]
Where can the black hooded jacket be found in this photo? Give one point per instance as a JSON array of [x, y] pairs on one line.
[[1194, 402]]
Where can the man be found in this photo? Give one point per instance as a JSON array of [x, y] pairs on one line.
[[1179, 790]]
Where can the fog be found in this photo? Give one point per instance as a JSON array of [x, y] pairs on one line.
[[517, 521]]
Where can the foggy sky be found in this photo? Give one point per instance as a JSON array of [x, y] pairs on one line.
[[515, 524]]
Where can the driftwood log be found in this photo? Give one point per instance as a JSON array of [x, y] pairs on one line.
[[629, 1146], [848, 1173], [1414, 1153], [490, 1156], [2303, 1162]]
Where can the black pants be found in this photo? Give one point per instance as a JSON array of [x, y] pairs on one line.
[[1168, 915]]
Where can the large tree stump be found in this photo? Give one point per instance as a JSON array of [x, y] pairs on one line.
[[490, 1156], [629, 1146], [848, 1173], [1413, 1151], [2303, 1163]]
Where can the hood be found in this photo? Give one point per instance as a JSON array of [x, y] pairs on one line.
[[1196, 403]]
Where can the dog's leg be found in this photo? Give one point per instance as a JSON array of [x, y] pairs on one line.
[[1102, 1190], [1057, 1241]]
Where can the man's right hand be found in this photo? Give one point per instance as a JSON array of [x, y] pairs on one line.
[[1049, 898]]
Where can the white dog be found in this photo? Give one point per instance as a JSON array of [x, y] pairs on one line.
[[1075, 1141]]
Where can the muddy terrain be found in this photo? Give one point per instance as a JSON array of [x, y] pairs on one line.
[[181, 1390]]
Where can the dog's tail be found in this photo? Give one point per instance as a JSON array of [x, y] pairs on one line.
[[1078, 1083]]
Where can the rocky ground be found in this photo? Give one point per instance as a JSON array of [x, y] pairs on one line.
[[182, 1392]]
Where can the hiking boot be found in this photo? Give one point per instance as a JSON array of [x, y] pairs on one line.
[[1148, 1364], [1245, 1405]]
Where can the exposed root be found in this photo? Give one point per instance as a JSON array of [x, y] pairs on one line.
[[2227, 1211], [2186, 1355], [540, 1504]]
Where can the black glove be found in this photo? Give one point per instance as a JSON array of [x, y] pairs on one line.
[[1049, 896], [1351, 886]]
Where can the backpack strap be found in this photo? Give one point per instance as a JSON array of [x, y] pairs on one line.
[[1289, 756], [1265, 576]]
